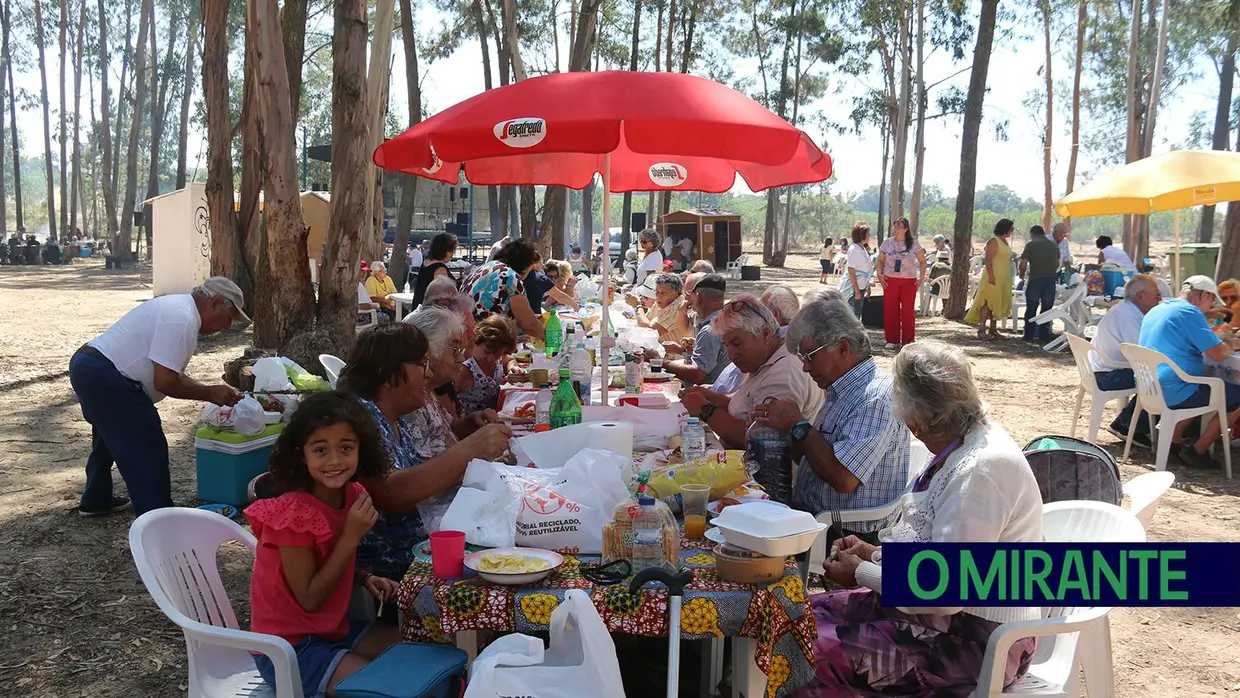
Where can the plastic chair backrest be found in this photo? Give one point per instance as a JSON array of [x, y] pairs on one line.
[[1145, 364], [333, 366], [1081, 348], [1144, 491], [175, 551]]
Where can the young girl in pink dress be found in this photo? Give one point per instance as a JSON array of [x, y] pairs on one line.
[[304, 567]]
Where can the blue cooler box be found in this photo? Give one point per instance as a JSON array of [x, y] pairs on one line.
[[1111, 280], [225, 469]]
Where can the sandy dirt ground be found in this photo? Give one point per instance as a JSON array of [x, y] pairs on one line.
[[78, 622]]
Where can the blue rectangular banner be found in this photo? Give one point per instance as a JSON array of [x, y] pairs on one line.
[[1061, 574]]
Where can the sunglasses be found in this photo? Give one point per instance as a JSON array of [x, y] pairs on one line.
[[1229, 299], [738, 306]]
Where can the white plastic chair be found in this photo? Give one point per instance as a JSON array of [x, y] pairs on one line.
[[1067, 637], [333, 366], [1143, 493], [1098, 399], [1150, 398], [918, 456], [1072, 312], [942, 285], [733, 270], [1018, 305], [175, 552]]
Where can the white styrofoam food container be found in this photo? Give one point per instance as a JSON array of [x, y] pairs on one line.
[[773, 547], [766, 520]]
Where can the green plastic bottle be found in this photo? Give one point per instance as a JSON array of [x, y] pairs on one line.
[[553, 335], [565, 406]]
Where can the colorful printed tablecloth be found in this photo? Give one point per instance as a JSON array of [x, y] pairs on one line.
[[777, 615]]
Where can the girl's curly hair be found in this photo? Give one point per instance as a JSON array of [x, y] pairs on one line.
[[287, 464]]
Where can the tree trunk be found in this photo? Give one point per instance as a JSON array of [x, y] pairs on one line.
[[160, 81], [587, 221], [626, 207], [1228, 266], [4, 195], [75, 179], [919, 146], [293, 31], [1132, 149], [109, 200], [145, 19], [1142, 239], [527, 220], [555, 199], [1047, 194], [963, 238], [226, 255], [409, 183], [350, 165], [671, 32], [901, 124], [480, 27], [192, 28], [121, 104], [92, 229], [61, 132], [47, 122], [15, 137], [686, 57], [1082, 19], [1222, 122], [782, 256], [377, 77], [252, 233], [883, 206]]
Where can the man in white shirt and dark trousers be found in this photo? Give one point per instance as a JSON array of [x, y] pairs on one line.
[[1122, 325], [121, 374]]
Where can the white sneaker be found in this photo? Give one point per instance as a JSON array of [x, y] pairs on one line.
[[890, 346]]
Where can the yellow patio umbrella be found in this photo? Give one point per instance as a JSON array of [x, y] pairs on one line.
[[1166, 182]]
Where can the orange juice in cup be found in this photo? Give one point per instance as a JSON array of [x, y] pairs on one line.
[[695, 526], [694, 498]]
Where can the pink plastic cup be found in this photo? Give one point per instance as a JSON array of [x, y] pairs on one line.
[[448, 554]]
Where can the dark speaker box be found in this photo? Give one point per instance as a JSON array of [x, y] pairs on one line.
[[637, 222], [872, 313]]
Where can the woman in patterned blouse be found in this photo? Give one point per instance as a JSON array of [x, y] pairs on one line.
[[387, 371], [499, 286]]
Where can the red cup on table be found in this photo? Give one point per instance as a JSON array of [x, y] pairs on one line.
[[448, 554]]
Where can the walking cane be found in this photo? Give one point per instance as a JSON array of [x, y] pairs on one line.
[[675, 582]]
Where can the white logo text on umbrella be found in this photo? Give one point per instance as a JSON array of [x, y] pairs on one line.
[[525, 132], [668, 174]]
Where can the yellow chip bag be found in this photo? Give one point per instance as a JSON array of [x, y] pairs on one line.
[[723, 471]]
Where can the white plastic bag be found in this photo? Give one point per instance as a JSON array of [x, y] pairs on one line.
[[269, 374], [218, 417], [566, 508], [581, 659], [248, 417], [638, 339]]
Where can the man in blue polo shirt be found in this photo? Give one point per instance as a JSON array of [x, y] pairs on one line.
[[1178, 328]]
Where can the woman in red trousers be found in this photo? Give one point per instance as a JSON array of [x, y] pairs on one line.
[[901, 270]]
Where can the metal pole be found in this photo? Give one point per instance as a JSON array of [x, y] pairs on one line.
[[471, 213], [605, 342], [305, 169]]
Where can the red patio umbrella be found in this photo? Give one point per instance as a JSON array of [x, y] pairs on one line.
[[641, 131]]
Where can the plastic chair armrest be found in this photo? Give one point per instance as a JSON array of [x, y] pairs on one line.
[[1214, 383], [277, 649], [1002, 639]]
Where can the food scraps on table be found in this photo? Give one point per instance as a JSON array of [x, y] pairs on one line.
[[511, 563]]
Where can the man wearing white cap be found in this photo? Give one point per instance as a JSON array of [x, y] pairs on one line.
[[1178, 328], [121, 374]]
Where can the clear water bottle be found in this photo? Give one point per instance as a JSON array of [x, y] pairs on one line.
[[407, 286], [542, 408], [581, 369], [693, 440], [768, 458], [647, 535]]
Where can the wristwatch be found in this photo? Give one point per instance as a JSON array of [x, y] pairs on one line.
[[799, 430], [705, 413]]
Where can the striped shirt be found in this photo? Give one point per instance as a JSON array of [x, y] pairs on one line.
[[867, 439]]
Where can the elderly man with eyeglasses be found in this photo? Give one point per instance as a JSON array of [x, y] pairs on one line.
[[855, 453], [750, 334]]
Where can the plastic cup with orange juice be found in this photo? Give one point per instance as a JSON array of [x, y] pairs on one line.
[[694, 498]]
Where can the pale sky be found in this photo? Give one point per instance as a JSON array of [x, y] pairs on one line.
[[1016, 163]]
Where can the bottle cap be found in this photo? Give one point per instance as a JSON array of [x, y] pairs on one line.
[[544, 385], [646, 501], [693, 420]]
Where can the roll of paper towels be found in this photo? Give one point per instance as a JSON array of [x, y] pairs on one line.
[[616, 437]]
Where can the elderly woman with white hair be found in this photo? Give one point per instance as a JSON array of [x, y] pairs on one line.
[[379, 286], [977, 489], [667, 315], [435, 426], [751, 336], [652, 262]]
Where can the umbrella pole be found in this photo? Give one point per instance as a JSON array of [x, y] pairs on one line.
[[605, 342], [1176, 273]]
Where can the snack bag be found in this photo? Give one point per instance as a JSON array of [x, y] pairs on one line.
[[722, 470]]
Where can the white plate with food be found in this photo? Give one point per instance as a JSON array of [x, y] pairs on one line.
[[513, 566]]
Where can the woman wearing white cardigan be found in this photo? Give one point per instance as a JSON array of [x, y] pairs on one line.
[[977, 489]]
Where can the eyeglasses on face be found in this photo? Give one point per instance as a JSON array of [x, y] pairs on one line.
[[807, 356]]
